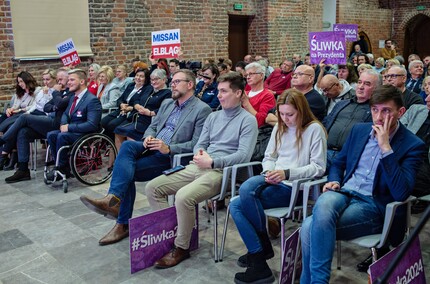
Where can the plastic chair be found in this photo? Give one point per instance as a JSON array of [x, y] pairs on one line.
[[374, 241]]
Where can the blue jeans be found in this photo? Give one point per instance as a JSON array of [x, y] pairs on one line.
[[247, 210], [337, 215], [130, 166], [58, 139]]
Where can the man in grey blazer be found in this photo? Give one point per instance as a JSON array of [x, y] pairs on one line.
[[175, 129]]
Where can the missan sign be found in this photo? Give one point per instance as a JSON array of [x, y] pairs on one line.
[[68, 54], [166, 44]]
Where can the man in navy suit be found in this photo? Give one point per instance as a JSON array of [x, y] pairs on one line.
[[82, 116], [376, 165]]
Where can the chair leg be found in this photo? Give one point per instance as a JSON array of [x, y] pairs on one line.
[[215, 211], [282, 239], [224, 234], [374, 254], [339, 254]]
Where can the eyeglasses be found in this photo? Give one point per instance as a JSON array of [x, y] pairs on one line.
[[326, 90], [177, 81], [300, 74], [155, 79], [392, 76], [250, 74]]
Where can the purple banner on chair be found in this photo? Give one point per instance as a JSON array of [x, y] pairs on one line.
[[410, 269], [351, 31], [330, 46], [290, 258], [152, 236]]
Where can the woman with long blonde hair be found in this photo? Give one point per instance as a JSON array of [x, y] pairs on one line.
[[297, 149]]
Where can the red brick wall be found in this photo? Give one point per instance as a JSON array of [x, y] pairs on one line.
[[120, 29]]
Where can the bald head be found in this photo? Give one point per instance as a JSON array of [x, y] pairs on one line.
[[330, 86], [303, 78]]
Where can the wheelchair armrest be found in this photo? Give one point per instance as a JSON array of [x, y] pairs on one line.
[[390, 212], [177, 159]]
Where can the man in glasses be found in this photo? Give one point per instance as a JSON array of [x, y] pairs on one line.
[[303, 81], [396, 76], [228, 138], [174, 130], [335, 90]]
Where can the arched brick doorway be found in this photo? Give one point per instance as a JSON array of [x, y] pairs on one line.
[[417, 39]]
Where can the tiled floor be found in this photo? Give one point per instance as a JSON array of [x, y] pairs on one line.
[[47, 236]]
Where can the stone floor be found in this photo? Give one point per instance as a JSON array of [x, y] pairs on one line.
[[47, 236]]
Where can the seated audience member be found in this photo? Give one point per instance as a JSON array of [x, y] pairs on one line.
[[227, 138], [303, 81], [29, 127], [297, 149], [174, 65], [82, 116], [379, 64], [362, 59], [347, 72], [396, 76], [206, 89], [121, 78], [174, 130], [297, 60], [335, 90], [362, 67], [417, 120], [357, 51], [391, 62], [240, 68], [424, 93], [137, 64], [414, 83], [108, 93], [347, 113], [248, 59], [93, 84], [45, 94], [413, 57], [388, 51], [259, 100], [280, 79], [307, 60], [124, 113], [222, 68], [23, 100], [359, 187], [146, 107], [371, 59]]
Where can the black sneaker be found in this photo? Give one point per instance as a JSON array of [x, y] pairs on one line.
[[19, 176]]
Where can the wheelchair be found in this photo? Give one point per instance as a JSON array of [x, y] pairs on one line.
[[89, 159]]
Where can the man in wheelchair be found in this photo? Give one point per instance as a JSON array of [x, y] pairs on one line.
[[82, 116]]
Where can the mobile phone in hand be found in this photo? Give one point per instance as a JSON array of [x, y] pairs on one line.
[[173, 170]]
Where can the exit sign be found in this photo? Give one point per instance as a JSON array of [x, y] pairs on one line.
[[238, 6], [421, 8]]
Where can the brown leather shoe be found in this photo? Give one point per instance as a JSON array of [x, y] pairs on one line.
[[274, 227], [172, 258], [107, 206], [118, 232]]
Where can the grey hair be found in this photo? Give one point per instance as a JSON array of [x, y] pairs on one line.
[[95, 66], [160, 73], [258, 67], [414, 62], [375, 73]]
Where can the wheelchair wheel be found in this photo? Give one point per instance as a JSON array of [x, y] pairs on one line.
[[91, 157]]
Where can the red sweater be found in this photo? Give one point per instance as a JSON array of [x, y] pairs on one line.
[[278, 81], [262, 103]]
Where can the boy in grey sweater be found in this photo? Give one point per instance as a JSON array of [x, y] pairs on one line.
[[228, 138]]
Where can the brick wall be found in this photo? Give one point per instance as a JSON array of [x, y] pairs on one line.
[[120, 29]]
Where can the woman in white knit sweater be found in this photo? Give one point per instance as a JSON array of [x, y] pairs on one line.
[[297, 149]]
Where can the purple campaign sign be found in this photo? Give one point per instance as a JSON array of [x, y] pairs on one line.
[[328, 45], [152, 236], [289, 258], [410, 269], [351, 31]]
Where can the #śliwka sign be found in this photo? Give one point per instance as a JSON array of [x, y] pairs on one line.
[[330, 46], [351, 31]]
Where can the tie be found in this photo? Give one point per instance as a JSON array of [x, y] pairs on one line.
[[72, 108], [412, 84]]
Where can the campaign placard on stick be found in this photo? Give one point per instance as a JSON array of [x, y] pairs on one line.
[[351, 31], [68, 53], [166, 44], [152, 236], [410, 268], [290, 258], [328, 45]]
